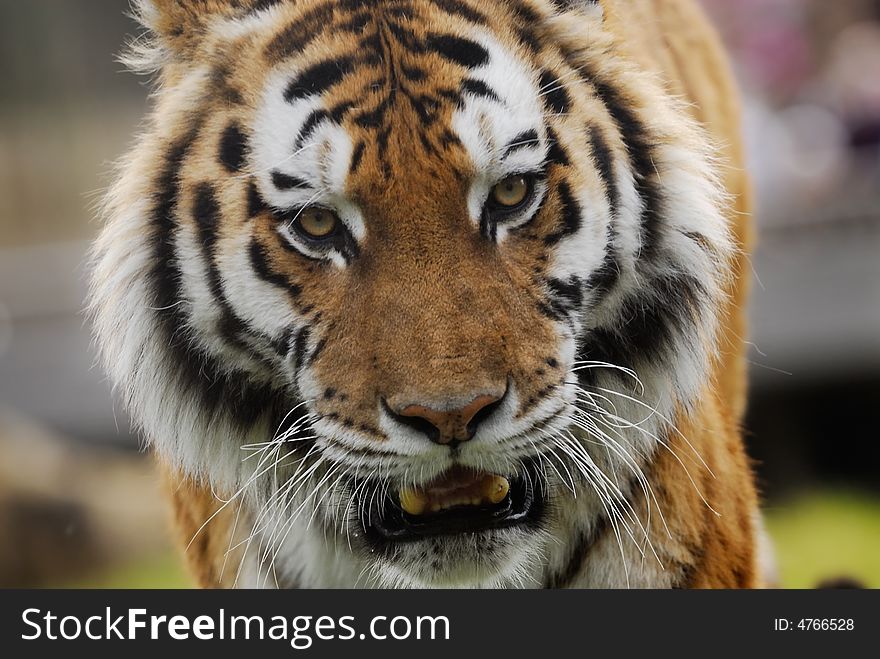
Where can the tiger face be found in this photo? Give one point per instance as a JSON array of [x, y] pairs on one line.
[[415, 283]]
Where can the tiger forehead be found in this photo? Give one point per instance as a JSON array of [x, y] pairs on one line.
[[369, 96], [400, 54], [408, 20]]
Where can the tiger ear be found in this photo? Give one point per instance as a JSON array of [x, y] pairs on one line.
[[173, 20], [173, 26]]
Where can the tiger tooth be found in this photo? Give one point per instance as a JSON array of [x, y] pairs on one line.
[[412, 501], [491, 489], [496, 488]]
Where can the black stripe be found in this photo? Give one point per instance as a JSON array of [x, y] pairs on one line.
[[318, 78], [554, 94], [166, 276], [404, 36], [448, 138], [524, 14], [260, 5], [479, 88], [650, 323], [524, 140], [283, 344], [300, 345], [701, 241], [400, 11], [356, 23], [640, 147], [206, 213], [284, 181], [565, 5], [604, 161], [413, 73], [382, 141], [527, 19], [556, 155], [371, 46], [430, 149], [602, 281], [211, 386], [222, 87], [426, 107], [444, 93], [316, 353], [373, 118], [255, 203], [232, 148], [260, 264], [488, 228], [293, 39], [462, 9], [551, 312], [571, 215], [463, 52], [577, 555], [337, 112], [579, 550], [567, 294], [356, 157], [309, 126]]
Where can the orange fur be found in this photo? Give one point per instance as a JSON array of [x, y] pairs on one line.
[[705, 548]]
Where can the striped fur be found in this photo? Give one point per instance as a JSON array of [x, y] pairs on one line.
[[258, 363]]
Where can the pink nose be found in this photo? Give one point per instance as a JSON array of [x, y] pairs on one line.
[[449, 426]]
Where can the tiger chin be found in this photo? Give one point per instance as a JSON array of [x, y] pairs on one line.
[[437, 293]]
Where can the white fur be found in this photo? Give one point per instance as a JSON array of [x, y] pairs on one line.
[[291, 546]]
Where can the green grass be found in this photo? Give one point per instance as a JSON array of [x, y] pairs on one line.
[[825, 535], [164, 571], [818, 536]]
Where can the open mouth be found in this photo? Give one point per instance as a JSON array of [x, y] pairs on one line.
[[460, 500]]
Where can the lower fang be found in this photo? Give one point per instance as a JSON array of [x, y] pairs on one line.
[[497, 489], [412, 502]]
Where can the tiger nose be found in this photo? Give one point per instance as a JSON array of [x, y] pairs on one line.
[[449, 427]]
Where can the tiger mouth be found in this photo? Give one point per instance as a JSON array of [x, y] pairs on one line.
[[459, 501]]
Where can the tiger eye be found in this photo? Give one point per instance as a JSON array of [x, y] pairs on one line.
[[318, 222], [511, 192]]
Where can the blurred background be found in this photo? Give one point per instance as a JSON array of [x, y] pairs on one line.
[[80, 504]]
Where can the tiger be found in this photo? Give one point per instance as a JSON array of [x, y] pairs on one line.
[[437, 293]]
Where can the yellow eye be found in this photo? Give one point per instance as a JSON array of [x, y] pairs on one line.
[[511, 192], [316, 222]]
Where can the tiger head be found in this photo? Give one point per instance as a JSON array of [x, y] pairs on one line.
[[408, 279]]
